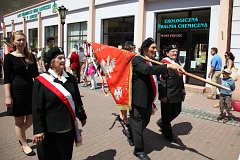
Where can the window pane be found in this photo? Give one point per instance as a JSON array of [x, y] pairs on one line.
[[74, 29], [117, 31], [84, 28], [72, 42], [51, 31]]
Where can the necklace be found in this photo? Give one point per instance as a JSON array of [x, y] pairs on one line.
[[25, 63]]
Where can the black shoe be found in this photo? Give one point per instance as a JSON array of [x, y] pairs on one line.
[[130, 142], [160, 125], [32, 153], [142, 156]]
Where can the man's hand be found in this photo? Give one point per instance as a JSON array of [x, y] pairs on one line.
[[9, 102], [176, 67], [38, 138]]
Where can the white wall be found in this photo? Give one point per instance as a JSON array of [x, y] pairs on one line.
[[235, 35]]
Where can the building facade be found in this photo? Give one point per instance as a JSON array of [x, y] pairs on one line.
[[195, 26]]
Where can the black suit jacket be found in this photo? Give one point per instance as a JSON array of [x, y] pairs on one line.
[[50, 114], [142, 90], [171, 87]]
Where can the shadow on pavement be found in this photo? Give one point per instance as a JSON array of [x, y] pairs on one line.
[[156, 142], [106, 155], [182, 128]]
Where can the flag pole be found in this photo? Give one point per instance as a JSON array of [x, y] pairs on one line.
[[190, 75]]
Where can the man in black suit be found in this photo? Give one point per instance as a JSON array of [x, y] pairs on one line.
[[144, 92]]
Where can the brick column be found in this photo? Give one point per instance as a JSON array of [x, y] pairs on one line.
[[24, 26], [141, 22], [13, 26], [224, 27], [39, 30], [91, 21]]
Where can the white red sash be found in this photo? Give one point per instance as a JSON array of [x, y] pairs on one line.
[[167, 60], [48, 81], [153, 79]]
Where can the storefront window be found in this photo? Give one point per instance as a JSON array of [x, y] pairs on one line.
[[77, 35], [189, 30], [51, 31], [117, 31], [33, 37]]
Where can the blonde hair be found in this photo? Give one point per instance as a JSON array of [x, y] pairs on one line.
[[27, 54]]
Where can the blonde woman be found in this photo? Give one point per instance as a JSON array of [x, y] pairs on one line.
[[20, 68]]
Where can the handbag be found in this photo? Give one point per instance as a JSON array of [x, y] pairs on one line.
[[234, 74]]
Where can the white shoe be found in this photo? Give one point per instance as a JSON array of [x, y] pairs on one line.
[[92, 88]]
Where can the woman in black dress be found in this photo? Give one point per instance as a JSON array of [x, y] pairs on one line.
[[19, 70]]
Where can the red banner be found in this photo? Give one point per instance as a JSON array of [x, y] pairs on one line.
[[116, 64]]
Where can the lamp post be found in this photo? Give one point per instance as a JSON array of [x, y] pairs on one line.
[[62, 12]]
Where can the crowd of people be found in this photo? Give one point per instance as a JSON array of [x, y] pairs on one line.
[[40, 91]]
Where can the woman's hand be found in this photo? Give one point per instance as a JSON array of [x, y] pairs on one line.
[[38, 138], [83, 122], [163, 99], [9, 101]]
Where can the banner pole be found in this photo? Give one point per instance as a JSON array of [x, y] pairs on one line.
[[190, 75]]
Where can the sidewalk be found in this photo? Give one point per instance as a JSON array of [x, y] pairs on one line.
[[199, 139]]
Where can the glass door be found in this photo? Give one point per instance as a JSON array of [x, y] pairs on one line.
[[196, 62]]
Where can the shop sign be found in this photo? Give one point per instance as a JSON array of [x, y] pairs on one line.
[[172, 35], [32, 13], [183, 23]]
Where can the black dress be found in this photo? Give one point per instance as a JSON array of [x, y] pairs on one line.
[[20, 75]]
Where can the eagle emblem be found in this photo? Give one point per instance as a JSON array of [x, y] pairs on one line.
[[118, 93], [108, 66]]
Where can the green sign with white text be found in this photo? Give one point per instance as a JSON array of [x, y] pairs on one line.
[[182, 23], [32, 13]]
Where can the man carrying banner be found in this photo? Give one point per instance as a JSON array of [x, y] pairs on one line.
[[144, 92], [171, 94]]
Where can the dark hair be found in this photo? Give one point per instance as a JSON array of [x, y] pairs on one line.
[[128, 46], [27, 54], [230, 55], [214, 49], [50, 38], [146, 44]]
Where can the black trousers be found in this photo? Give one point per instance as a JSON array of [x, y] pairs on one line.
[[169, 112], [139, 119], [56, 146]]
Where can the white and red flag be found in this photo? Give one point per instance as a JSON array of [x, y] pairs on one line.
[[116, 64]]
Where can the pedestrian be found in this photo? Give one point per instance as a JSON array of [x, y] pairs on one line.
[[20, 68], [50, 43], [226, 96], [229, 60], [229, 64], [143, 93], [75, 64], [215, 72], [81, 59], [171, 94], [91, 71], [56, 103]]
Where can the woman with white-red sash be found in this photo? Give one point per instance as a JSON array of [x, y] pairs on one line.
[[171, 94], [56, 103]]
